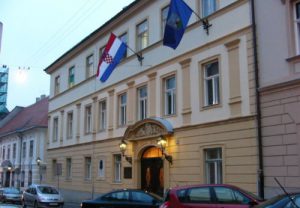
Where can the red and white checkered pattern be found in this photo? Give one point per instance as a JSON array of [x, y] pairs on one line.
[[108, 58]]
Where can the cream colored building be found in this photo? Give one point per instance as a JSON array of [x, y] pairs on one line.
[[200, 98], [279, 66]]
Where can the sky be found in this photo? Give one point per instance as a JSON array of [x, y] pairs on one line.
[[37, 32]]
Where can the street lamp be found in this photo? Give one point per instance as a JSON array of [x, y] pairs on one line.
[[123, 147], [10, 169], [38, 162], [162, 143]]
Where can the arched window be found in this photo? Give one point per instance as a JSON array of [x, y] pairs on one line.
[[101, 170]]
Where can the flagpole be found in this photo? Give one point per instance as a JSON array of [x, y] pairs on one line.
[[204, 21], [139, 56]]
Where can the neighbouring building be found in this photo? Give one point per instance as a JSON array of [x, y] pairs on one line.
[[1, 28], [278, 35], [3, 90], [23, 136], [182, 116]]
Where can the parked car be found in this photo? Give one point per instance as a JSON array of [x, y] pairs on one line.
[[125, 198], [281, 201], [11, 195], [209, 196], [42, 196]]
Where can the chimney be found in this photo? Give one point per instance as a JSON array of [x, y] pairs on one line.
[[43, 97], [37, 99]]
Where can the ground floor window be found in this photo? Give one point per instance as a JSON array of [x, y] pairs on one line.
[[213, 165], [117, 167]]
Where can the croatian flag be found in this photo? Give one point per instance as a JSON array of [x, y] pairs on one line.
[[112, 55]]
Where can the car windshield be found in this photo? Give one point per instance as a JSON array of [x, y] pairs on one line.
[[11, 191], [253, 195], [47, 190]]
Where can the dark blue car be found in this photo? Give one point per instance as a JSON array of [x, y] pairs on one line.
[[126, 198], [282, 201]]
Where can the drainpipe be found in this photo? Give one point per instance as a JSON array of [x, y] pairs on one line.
[[258, 109], [20, 159]]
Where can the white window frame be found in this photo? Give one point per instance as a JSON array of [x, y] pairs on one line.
[[88, 119], [24, 149], [8, 152], [88, 168], [164, 16], [124, 39], [31, 148], [101, 171], [55, 129], [70, 118], [142, 35], [169, 104], [69, 168], [14, 154], [56, 85], [215, 85], [123, 109], [210, 8], [297, 25], [217, 163], [102, 115], [142, 103], [3, 153], [89, 65], [71, 76], [117, 167]]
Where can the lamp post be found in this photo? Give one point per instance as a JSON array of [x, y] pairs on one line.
[[38, 162]]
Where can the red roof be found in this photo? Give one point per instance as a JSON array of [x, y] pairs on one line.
[[33, 116]]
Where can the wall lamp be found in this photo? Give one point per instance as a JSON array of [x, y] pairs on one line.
[[123, 147], [162, 143]]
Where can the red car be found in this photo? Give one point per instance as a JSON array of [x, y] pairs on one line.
[[209, 196]]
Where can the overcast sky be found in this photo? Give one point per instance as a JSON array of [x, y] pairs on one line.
[[37, 32]]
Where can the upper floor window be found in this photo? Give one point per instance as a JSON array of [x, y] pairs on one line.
[[70, 125], [170, 95], [124, 39], [142, 35], [297, 25], [213, 165], [54, 168], [55, 130], [3, 153], [142, 103], [71, 76], [8, 152], [88, 168], [122, 109], [164, 15], [14, 151], [89, 66], [208, 7], [31, 144], [24, 150], [57, 85], [88, 119], [211, 84], [102, 115]]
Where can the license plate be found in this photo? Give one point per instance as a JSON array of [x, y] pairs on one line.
[[53, 204]]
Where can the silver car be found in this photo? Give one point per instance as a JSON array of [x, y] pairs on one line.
[[11, 194], [42, 196]]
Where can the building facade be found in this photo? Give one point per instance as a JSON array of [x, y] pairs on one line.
[[181, 116], [279, 66], [22, 145]]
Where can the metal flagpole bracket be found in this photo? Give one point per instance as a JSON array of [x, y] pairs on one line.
[[206, 25], [140, 58]]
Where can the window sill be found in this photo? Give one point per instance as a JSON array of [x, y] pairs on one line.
[[170, 115], [209, 107], [116, 182], [294, 59]]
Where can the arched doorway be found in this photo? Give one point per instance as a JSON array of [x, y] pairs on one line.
[[152, 171]]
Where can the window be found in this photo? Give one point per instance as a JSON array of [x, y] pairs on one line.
[[199, 195], [14, 151], [54, 168], [142, 103], [57, 85], [3, 153], [208, 7], [22, 178], [164, 15], [170, 95], [117, 168], [31, 148], [29, 177], [297, 25], [117, 196], [141, 197], [228, 196], [102, 115], [88, 168], [68, 168], [55, 129], [71, 76], [213, 165], [124, 39], [101, 51], [70, 125], [88, 119], [8, 153], [211, 84], [89, 66], [101, 172], [122, 109], [142, 35], [24, 150]]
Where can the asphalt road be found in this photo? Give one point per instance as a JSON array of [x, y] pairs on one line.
[[67, 205]]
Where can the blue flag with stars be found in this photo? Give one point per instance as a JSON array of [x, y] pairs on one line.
[[177, 20]]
